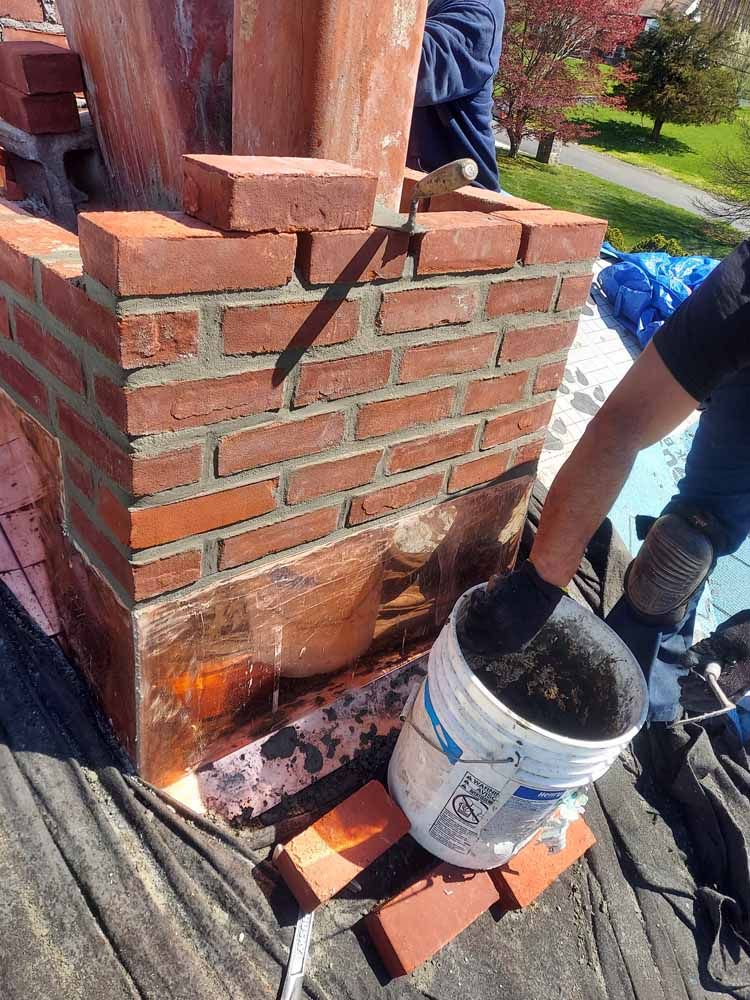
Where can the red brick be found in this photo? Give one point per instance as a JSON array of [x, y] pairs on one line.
[[154, 473], [168, 407], [97, 543], [549, 377], [70, 304], [385, 501], [164, 575], [429, 449], [252, 545], [49, 352], [114, 514], [317, 480], [525, 877], [536, 341], [422, 308], [517, 424], [4, 323], [411, 177], [574, 291], [80, 476], [392, 415], [481, 470], [39, 68], [551, 237], [325, 380], [449, 357], [159, 525], [154, 253], [24, 383], [281, 193], [528, 295], [465, 241], [352, 255], [528, 452], [41, 113], [471, 199], [157, 338], [102, 452], [289, 325], [324, 858], [489, 393], [24, 238], [30, 35], [269, 443], [22, 10], [411, 927]]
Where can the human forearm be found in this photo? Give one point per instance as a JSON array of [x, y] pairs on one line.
[[578, 501], [645, 406]]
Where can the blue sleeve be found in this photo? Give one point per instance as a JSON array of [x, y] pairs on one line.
[[457, 52]]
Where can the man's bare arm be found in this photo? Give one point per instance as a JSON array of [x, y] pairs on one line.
[[646, 405]]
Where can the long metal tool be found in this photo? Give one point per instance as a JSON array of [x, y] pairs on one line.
[[711, 676], [295, 970], [441, 181]]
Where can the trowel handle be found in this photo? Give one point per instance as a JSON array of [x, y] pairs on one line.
[[445, 179]]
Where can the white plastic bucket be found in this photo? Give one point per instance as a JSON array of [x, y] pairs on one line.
[[474, 778]]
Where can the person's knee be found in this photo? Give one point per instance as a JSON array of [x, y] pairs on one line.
[[673, 563]]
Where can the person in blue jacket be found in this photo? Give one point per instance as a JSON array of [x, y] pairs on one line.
[[453, 106]]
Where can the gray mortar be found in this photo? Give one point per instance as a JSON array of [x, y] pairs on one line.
[[49, 152]]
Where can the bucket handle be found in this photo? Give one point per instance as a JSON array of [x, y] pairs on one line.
[[406, 718]]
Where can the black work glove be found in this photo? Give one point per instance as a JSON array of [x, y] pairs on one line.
[[505, 617], [729, 646]]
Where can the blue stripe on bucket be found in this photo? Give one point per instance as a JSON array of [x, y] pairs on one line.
[[447, 744]]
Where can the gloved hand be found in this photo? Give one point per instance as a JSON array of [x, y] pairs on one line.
[[507, 615], [729, 646]]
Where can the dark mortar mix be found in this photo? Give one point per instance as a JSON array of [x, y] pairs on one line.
[[558, 682]]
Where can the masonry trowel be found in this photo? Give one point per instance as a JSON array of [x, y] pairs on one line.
[[441, 181]]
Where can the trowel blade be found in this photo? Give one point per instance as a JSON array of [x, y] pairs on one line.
[[386, 218]]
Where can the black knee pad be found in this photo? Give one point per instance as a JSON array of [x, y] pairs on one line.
[[674, 560]]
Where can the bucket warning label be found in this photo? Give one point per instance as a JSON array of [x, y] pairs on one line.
[[462, 817], [522, 813]]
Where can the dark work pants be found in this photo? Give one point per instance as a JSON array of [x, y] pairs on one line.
[[717, 481]]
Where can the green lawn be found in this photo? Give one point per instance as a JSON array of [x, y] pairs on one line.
[[636, 215], [687, 152]]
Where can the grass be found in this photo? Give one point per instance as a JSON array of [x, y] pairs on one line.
[[686, 152], [636, 215]]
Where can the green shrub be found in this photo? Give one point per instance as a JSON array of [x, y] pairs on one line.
[[616, 237], [659, 244]]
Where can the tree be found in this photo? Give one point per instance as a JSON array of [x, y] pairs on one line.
[[551, 55], [676, 76], [732, 172]]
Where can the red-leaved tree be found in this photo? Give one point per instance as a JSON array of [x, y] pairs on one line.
[[551, 55]]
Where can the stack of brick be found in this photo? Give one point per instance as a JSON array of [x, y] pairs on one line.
[[31, 21], [231, 388], [415, 924], [38, 84]]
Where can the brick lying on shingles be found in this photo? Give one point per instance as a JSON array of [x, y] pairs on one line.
[[324, 858], [551, 237], [465, 241], [40, 68], [284, 194], [528, 873], [414, 925], [167, 253], [39, 114]]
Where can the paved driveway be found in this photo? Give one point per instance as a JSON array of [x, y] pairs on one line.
[[648, 182]]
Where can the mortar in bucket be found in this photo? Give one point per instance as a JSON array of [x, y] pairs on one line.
[[477, 776]]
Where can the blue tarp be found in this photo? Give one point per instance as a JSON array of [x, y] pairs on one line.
[[646, 288]]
